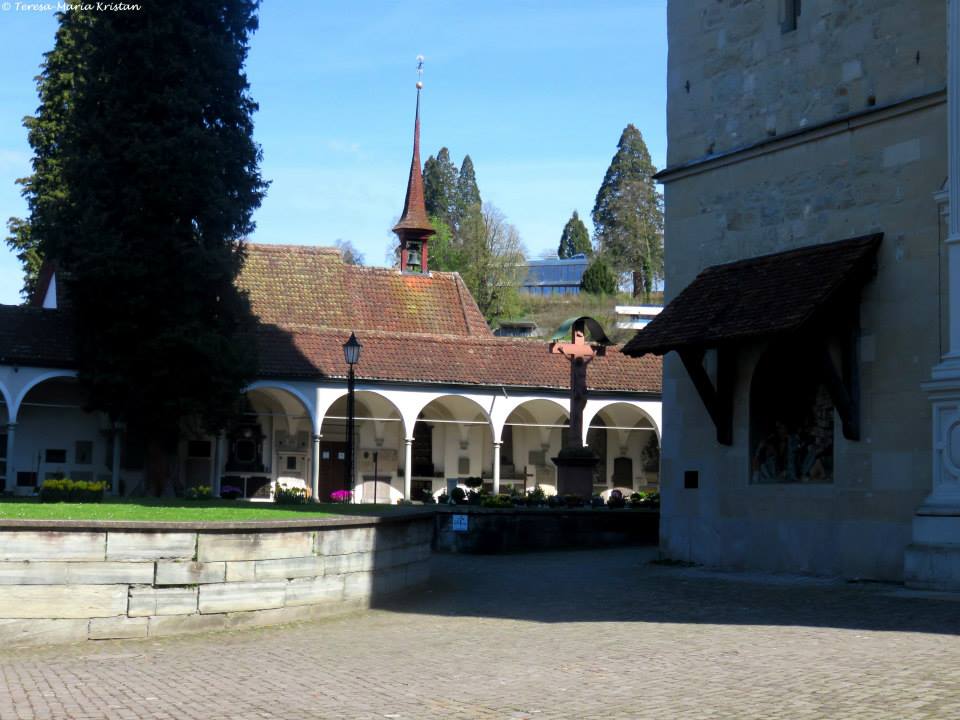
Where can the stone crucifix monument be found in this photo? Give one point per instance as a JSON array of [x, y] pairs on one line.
[[576, 464]]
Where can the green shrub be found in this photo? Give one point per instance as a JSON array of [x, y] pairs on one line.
[[497, 501], [200, 492], [536, 496], [598, 279], [645, 500], [289, 496], [68, 490]]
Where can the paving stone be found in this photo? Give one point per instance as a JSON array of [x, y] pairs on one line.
[[592, 635]]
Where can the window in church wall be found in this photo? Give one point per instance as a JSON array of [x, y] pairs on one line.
[[790, 16], [791, 420]]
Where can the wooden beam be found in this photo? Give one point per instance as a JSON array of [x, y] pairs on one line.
[[717, 401], [844, 400]]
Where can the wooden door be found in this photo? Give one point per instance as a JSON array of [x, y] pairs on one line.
[[333, 468]]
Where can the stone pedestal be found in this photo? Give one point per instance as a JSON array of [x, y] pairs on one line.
[[932, 560], [575, 474]]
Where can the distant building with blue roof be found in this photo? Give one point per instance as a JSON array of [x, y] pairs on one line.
[[555, 276]]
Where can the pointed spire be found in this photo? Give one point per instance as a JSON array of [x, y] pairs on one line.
[[414, 216]]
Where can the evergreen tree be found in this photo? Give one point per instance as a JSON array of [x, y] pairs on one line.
[[146, 179], [468, 194], [628, 214], [43, 190], [440, 187], [598, 279], [575, 238]]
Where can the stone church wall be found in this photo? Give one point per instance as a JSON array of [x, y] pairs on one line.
[[878, 173]]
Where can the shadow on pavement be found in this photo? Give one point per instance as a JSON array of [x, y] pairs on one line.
[[621, 585]]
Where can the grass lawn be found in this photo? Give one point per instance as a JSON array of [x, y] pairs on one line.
[[174, 510]]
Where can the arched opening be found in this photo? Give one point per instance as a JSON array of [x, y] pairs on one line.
[[453, 447], [625, 440], [536, 431], [378, 435], [55, 438], [269, 443], [791, 422], [5, 400]]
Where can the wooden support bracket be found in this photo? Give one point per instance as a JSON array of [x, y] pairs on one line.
[[844, 384], [718, 400]]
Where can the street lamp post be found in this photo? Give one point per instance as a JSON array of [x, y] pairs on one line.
[[351, 354]]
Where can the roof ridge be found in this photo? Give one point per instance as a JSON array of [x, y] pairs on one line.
[[868, 239]]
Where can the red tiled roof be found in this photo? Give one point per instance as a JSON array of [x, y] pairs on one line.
[[300, 287], [34, 336], [442, 359], [759, 296], [414, 329]]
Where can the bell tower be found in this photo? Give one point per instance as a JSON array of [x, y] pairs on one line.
[[414, 228]]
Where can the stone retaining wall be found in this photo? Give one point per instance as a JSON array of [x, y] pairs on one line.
[[493, 530], [67, 582]]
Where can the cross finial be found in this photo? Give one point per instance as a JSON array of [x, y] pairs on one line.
[[419, 72]]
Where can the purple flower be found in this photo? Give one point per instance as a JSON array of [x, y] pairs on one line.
[[341, 496]]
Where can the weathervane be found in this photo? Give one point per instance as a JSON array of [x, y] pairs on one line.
[[419, 72]]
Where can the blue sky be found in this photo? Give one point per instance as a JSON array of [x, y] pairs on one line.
[[536, 92]]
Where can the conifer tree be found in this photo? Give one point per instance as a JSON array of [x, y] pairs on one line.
[[628, 214], [146, 178], [440, 187], [575, 238], [598, 279], [468, 194]]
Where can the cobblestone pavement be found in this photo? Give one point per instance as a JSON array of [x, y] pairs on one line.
[[598, 634]]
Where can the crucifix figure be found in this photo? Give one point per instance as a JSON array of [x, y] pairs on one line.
[[579, 352]]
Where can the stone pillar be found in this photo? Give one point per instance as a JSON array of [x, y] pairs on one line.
[[221, 460], [933, 558], [496, 468], [10, 480], [315, 469], [115, 459], [407, 468]]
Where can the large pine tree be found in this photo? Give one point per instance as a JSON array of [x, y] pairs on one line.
[[628, 214], [575, 239], [146, 178], [440, 187], [468, 194]]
